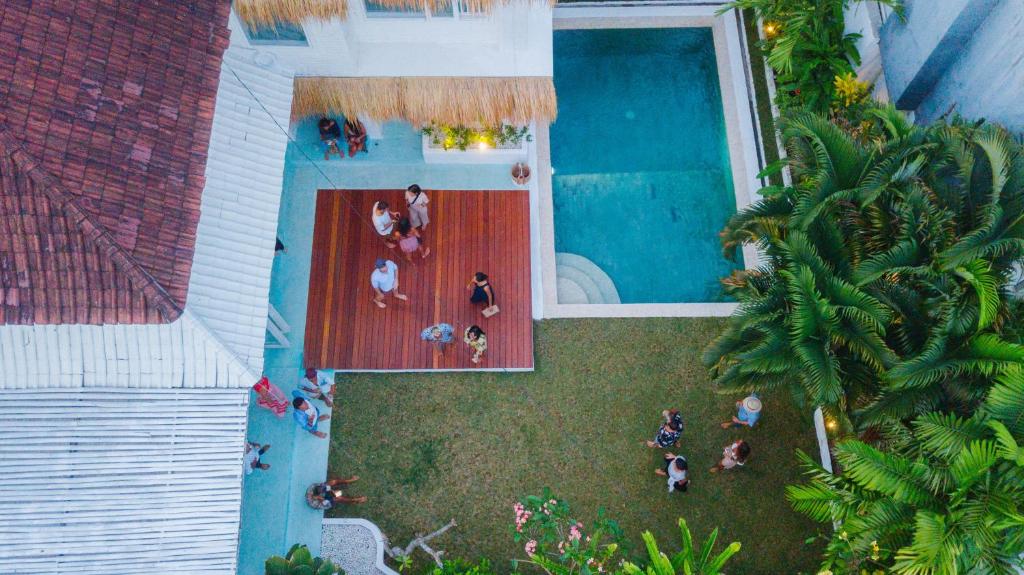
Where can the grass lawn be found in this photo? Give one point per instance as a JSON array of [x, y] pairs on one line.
[[430, 447]]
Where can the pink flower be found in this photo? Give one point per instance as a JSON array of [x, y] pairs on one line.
[[561, 547], [574, 533], [553, 502], [531, 547]]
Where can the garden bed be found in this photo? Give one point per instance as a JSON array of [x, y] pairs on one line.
[[430, 447]]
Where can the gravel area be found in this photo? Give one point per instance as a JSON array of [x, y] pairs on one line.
[[353, 547]]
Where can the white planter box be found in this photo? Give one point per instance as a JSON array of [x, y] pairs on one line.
[[432, 155]]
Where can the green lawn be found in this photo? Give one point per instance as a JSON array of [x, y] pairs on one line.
[[430, 447]]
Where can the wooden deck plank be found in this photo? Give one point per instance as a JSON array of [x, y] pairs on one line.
[[470, 231]]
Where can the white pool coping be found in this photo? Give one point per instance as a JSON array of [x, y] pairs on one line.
[[745, 155]]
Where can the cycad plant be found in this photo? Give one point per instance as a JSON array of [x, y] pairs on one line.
[[883, 285], [946, 498], [299, 561], [690, 560]]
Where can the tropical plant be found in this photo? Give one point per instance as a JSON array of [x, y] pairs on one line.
[[559, 544], [883, 285], [946, 498], [688, 561], [807, 46], [462, 567], [299, 561], [461, 137]]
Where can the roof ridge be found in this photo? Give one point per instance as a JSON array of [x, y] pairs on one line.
[[94, 232]]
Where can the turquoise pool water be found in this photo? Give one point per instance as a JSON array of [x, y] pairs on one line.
[[642, 182]]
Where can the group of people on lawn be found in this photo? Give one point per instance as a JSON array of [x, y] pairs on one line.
[[676, 468], [406, 234]]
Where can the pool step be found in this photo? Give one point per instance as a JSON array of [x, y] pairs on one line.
[[582, 281]]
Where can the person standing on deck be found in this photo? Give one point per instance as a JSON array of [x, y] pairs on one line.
[[476, 339], [417, 200], [482, 290], [384, 280], [384, 221]]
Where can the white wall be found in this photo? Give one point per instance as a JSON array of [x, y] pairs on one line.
[[515, 40]]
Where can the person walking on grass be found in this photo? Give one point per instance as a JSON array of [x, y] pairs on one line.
[[384, 280], [476, 339], [251, 459], [417, 200], [748, 411], [439, 336], [306, 415], [677, 471], [329, 493], [409, 240], [670, 431], [734, 455], [384, 221]]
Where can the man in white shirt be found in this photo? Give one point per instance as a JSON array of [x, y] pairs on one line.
[[384, 280]]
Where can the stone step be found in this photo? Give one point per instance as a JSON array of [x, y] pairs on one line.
[[609, 294], [570, 292], [583, 283]]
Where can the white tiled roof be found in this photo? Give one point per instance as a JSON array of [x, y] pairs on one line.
[[234, 252], [102, 481]]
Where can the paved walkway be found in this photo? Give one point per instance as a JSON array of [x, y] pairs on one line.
[[355, 545]]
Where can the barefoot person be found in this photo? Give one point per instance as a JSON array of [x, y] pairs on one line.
[[476, 339], [417, 200], [251, 459], [384, 221], [677, 472], [355, 135], [734, 455], [269, 396], [409, 240], [670, 431], [329, 493], [748, 411], [330, 133], [306, 415], [439, 336], [384, 280], [483, 292], [318, 385]]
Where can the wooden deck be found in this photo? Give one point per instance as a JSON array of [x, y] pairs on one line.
[[469, 231]]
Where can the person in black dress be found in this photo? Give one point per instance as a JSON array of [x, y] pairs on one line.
[[482, 290]]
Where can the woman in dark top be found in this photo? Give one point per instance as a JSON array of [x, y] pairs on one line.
[[482, 290], [330, 133], [670, 431]]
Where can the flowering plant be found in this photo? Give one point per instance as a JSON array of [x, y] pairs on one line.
[[561, 545]]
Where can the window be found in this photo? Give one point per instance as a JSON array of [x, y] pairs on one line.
[[284, 33], [454, 9]]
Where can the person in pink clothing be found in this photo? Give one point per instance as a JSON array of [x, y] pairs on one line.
[[269, 396]]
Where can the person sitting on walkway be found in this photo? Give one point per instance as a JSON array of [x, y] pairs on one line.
[[329, 494], [409, 240], [330, 133], [384, 221], [476, 339], [677, 472], [355, 135], [748, 411], [439, 335], [734, 455], [384, 280], [318, 385], [669, 433], [307, 415], [482, 290], [251, 459], [269, 396]]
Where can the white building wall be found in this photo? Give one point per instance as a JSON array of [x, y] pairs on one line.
[[514, 40]]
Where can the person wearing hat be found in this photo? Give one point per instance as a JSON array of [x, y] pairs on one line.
[[318, 384], [384, 280], [748, 411]]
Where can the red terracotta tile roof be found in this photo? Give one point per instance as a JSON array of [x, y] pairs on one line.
[[105, 115]]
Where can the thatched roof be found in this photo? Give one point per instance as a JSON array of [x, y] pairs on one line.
[[272, 12], [419, 100]]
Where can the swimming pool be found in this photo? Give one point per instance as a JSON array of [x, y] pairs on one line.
[[641, 176]]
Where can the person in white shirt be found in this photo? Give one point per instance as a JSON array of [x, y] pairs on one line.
[[384, 221], [677, 472], [384, 280], [318, 384]]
